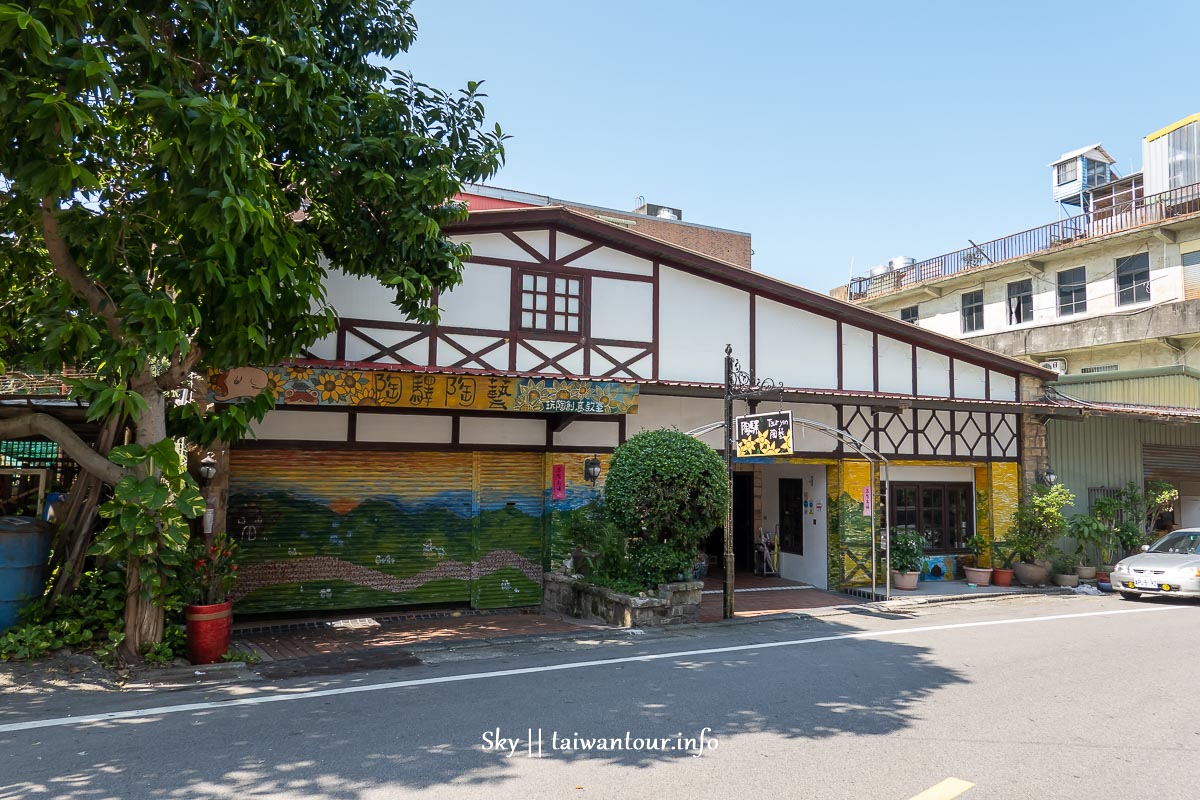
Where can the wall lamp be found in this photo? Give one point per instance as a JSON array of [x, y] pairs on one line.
[[591, 469], [1047, 477], [208, 468]]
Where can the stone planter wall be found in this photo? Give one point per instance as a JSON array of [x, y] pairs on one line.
[[676, 603]]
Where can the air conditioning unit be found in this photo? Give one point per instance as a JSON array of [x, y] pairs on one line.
[[1058, 365]]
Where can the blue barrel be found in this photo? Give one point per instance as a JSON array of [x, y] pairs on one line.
[[24, 552]]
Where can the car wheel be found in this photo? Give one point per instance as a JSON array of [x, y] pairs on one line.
[[1130, 595]]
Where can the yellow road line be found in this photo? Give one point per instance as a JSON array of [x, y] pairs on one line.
[[946, 790]]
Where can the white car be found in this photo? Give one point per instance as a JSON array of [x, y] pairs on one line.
[[1169, 566]]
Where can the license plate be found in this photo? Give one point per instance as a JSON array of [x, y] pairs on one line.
[[1145, 583]]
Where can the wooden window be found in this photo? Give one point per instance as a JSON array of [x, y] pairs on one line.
[[1068, 171], [1020, 302], [944, 513], [1133, 279], [911, 315], [551, 303], [1072, 291], [972, 311]]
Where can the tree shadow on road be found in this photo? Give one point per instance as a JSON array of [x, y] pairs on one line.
[[347, 746]]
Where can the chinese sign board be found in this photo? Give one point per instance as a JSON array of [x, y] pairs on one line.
[[868, 501], [298, 385], [764, 434]]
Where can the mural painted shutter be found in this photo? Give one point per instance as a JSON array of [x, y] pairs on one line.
[[324, 530], [509, 530], [1191, 275]]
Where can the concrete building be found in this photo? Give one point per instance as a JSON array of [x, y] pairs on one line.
[[1107, 296]]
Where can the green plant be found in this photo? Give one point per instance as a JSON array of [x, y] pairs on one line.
[[1090, 535], [209, 571], [1128, 517], [979, 545], [664, 485], [1064, 563], [245, 656], [1003, 555], [652, 563], [907, 550], [1038, 522], [600, 541]]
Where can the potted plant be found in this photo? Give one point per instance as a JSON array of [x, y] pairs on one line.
[[208, 576], [1037, 524], [1064, 570], [980, 576], [907, 551], [1002, 561], [1090, 535]]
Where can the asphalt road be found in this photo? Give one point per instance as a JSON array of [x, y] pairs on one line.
[[1041, 697]]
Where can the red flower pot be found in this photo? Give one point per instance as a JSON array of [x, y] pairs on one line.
[[1002, 577], [208, 631]]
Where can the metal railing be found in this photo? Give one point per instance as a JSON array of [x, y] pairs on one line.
[[1121, 216]]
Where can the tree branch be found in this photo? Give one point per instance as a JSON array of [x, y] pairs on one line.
[[66, 268], [46, 425], [180, 368]]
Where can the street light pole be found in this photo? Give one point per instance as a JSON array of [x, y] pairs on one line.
[[729, 440]]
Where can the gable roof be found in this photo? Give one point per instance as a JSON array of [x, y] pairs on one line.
[[621, 238], [1084, 151]]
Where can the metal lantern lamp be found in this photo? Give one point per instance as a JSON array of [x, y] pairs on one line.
[[208, 468], [591, 470], [1049, 477]]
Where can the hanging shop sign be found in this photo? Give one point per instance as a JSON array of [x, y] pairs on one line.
[[310, 386], [764, 434]]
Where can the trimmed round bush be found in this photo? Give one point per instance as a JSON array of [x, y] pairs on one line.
[[666, 486]]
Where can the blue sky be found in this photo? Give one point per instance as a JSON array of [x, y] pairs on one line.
[[828, 131]]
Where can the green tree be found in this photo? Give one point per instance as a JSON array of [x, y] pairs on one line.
[[666, 486], [175, 181]]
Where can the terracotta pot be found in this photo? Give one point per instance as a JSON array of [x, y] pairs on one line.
[[1066, 580], [904, 580], [208, 632], [1002, 577], [980, 576], [1031, 574], [1102, 577], [1085, 573]]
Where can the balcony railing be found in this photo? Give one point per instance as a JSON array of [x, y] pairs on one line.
[[1120, 216]]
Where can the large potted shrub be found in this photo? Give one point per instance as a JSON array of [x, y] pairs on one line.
[[980, 576], [1037, 523], [1064, 570], [666, 491], [208, 576], [907, 551]]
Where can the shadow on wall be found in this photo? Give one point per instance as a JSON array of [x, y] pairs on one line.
[[359, 745]]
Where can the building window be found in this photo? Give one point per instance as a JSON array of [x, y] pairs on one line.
[[943, 513], [1096, 174], [910, 315], [1020, 302], [1072, 291], [1067, 171], [551, 303], [1133, 279], [972, 311]]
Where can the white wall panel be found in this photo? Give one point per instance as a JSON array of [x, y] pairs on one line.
[[325, 348], [805, 440], [933, 373], [311, 426], [858, 359], [969, 380], [448, 355], [685, 413], [947, 474], [538, 240], [486, 430], [359, 350], [589, 433], [813, 566], [417, 428], [360, 298], [622, 309], [565, 244], [614, 261], [494, 245], [696, 318], [895, 366], [481, 300], [1003, 387], [795, 347]]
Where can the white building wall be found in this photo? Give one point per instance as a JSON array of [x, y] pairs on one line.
[[795, 347], [858, 359], [813, 566], [696, 319], [622, 309], [477, 302], [895, 366]]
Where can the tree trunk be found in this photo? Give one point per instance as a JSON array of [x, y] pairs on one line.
[[143, 618]]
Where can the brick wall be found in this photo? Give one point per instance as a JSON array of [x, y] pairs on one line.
[[725, 245]]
